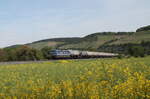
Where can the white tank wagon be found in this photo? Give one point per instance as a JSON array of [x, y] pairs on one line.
[[80, 54], [98, 54], [103, 54], [74, 53], [84, 53]]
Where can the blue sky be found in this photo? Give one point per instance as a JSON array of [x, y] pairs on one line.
[[25, 21]]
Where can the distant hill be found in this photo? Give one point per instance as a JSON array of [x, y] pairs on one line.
[[95, 41], [54, 43], [145, 28], [13, 46]]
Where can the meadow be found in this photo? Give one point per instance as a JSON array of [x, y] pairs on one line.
[[77, 79]]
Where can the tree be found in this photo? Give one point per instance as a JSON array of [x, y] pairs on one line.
[[37, 54], [3, 55], [136, 51], [26, 53], [11, 54], [46, 52]]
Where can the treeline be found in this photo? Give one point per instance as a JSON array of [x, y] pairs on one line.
[[146, 28], [129, 49], [24, 53]]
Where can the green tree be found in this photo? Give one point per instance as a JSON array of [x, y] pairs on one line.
[[26, 53], [37, 54], [136, 51], [11, 55], [3, 55], [46, 52]]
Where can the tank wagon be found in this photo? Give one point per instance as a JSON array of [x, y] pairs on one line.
[[76, 54]]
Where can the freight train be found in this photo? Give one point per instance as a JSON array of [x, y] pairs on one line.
[[76, 54]]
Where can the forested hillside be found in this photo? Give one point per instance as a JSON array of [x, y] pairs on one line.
[[128, 43], [96, 40]]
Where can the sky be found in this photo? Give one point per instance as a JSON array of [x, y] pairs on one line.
[[25, 21]]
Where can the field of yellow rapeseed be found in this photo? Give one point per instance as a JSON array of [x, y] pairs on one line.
[[77, 79]]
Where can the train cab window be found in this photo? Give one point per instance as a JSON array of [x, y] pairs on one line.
[[66, 52]]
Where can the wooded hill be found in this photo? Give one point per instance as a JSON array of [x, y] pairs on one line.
[[101, 41], [96, 41]]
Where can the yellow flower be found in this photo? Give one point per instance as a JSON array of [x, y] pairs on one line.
[[89, 73]]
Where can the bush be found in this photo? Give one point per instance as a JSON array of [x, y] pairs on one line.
[[136, 51], [46, 52], [3, 55], [120, 56], [26, 53]]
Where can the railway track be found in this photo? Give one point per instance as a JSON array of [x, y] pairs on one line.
[[30, 62], [21, 62]]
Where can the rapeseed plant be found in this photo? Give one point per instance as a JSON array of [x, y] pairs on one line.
[[77, 79]]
